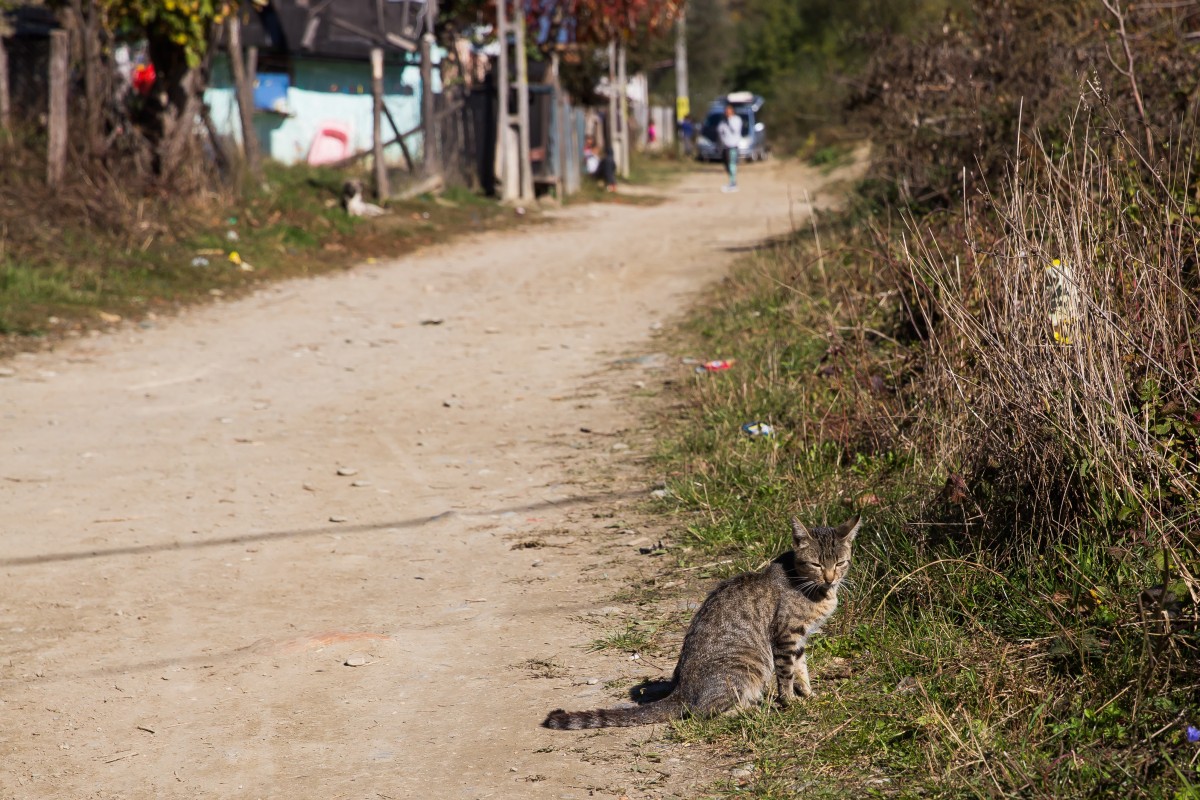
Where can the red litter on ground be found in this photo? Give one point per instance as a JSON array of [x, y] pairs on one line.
[[717, 366]]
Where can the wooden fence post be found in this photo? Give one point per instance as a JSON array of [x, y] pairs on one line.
[[244, 88], [610, 134], [523, 102], [430, 163], [56, 152], [508, 182], [5, 102], [623, 114], [560, 132], [381, 178]]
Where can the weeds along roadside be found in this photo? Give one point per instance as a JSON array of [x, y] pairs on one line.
[[1008, 392], [101, 249], [97, 251]]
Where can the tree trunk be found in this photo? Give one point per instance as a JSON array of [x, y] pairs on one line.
[[179, 128], [244, 87], [172, 105], [97, 72]]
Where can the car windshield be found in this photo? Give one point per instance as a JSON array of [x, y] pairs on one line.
[[709, 131]]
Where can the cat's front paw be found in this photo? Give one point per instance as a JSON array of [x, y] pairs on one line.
[[806, 692]]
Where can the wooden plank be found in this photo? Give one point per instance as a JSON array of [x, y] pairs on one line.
[[399, 138], [56, 151]]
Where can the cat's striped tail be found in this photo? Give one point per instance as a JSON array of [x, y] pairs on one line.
[[664, 710]]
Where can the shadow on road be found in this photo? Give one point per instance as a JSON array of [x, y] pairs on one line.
[[267, 536]]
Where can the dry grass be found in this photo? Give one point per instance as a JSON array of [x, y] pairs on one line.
[[1062, 380]]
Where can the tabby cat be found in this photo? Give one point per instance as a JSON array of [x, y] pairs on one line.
[[751, 627]]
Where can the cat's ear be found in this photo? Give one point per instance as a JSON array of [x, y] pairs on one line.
[[849, 529], [799, 532]]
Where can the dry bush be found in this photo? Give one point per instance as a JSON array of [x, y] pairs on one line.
[[946, 108], [1062, 382], [117, 197]]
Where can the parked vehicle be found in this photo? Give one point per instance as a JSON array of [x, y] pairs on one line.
[[753, 146]]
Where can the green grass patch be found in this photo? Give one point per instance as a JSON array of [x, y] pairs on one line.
[[88, 257], [974, 669]]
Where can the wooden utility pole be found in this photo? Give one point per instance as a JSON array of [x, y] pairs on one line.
[[683, 104], [523, 102], [611, 145], [5, 102], [56, 151], [623, 93], [560, 132], [381, 178], [244, 88], [430, 163], [503, 124]]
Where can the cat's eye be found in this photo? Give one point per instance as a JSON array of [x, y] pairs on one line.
[[842, 563], [812, 564]]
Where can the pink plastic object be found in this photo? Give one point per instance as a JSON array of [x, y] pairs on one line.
[[331, 142], [718, 366]]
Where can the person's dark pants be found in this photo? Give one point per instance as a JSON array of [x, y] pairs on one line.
[[608, 168]]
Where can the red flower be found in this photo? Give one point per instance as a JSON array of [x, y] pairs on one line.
[[143, 79]]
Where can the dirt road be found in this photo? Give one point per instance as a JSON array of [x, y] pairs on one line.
[[273, 548]]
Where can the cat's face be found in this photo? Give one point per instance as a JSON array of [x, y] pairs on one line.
[[823, 554]]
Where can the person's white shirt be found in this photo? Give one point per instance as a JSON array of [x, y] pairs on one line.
[[729, 131]]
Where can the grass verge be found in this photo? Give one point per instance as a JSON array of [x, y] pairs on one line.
[[1001, 636], [91, 255]]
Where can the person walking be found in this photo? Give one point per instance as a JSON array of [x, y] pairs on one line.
[[687, 135], [729, 131]]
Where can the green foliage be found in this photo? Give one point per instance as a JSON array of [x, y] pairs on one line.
[[957, 653], [185, 23], [804, 57]]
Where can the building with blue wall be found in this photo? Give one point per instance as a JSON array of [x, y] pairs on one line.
[[316, 91], [314, 70]]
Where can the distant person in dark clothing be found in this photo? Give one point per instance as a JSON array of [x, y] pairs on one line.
[[687, 135]]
